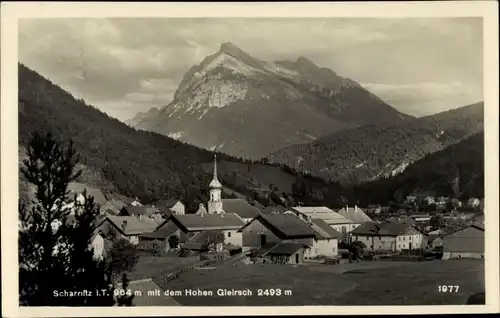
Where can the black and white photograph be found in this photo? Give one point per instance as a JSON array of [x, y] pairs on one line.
[[227, 161]]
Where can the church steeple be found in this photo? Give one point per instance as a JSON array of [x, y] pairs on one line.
[[215, 184], [215, 203]]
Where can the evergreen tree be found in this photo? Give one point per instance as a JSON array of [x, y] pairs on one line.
[[55, 256]]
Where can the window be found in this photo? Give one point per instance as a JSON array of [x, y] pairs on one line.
[[404, 238], [357, 238], [229, 234]]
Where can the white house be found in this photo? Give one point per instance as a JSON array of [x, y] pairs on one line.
[[355, 215], [278, 236], [333, 219], [136, 202], [173, 205], [187, 225], [326, 240], [390, 236], [128, 227]]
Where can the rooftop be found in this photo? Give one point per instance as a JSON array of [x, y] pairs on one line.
[[355, 214], [199, 222], [323, 230], [385, 229], [285, 226], [134, 225], [240, 207]]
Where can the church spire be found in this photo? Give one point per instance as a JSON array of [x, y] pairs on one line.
[[215, 166], [215, 184]]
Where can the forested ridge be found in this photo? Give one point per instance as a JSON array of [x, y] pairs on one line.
[[138, 163], [151, 166], [370, 152]]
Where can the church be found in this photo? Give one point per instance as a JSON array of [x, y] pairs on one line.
[[224, 216], [217, 205]]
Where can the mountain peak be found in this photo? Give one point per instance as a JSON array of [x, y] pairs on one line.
[[305, 61], [229, 47]]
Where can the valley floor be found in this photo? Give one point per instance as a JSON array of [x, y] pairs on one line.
[[364, 283]]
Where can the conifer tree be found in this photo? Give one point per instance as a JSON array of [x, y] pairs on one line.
[[55, 255]]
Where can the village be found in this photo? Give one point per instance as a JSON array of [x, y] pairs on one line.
[[230, 234]]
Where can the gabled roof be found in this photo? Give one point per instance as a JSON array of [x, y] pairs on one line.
[[199, 222], [385, 229], [240, 207], [355, 214], [312, 209], [323, 230], [329, 216], [76, 187], [280, 248], [161, 232], [284, 226], [196, 241], [139, 210], [134, 225], [167, 203]]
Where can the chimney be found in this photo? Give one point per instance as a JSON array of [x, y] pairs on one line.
[[346, 207], [355, 207], [124, 225]]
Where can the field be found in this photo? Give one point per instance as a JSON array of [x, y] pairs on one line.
[[366, 283], [157, 266]]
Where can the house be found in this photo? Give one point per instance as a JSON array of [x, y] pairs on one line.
[[282, 253], [326, 240], [187, 225], [136, 202], [276, 228], [473, 202], [112, 207], [147, 293], [390, 236], [332, 218], [467, 242], [144, 211], [159, 236], [355, 215], [198, 240], [128, 227], [79, 188], [171, 205]]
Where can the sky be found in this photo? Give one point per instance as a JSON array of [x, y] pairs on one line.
[[128, 65]]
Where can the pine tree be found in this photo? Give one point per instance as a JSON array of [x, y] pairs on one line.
[[56, 256]]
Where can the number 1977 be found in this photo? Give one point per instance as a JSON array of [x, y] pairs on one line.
[[448, 288]]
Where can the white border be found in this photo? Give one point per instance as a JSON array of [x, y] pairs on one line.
[[11, 12]]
